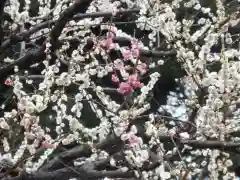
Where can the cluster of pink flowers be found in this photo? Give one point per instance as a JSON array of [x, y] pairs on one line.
[[131, 84], [132, 81]]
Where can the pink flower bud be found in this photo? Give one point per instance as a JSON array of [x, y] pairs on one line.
[[8, 82]]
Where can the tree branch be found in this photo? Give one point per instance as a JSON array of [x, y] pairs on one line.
[[212, 144], [33, 56], [84, 172], [79, 151]]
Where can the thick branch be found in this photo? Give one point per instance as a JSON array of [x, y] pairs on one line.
[[79, 151], [83, 172], [33, 56], [212, 144], [67, 156]]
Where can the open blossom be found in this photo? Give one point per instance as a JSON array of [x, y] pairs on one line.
[[3, 124], [133, 52], [26, 122], [133, 81], [125, 88]]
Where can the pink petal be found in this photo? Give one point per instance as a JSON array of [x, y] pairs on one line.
[[137, 84], [133, 81], [132, 78], [132, 139], [110, 35]]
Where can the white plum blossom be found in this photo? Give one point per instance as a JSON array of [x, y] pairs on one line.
[[128, 89]]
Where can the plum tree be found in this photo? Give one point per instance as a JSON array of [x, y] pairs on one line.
[[119, 89]]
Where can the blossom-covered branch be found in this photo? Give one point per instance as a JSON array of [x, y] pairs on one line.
[[87, 96]]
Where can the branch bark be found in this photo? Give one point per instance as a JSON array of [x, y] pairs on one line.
[[83, 172], [212, 144], [79, 151]]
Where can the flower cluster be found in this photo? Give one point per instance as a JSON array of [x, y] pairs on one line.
[[94, 87], [130, 85]]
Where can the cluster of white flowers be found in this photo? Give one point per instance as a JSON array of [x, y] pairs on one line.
[[145, 89], [213, 92]]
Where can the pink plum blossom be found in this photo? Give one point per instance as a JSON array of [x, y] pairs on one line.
[[26, 122], [125, 88], [133, 81], [110, 35], [8, 82]]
